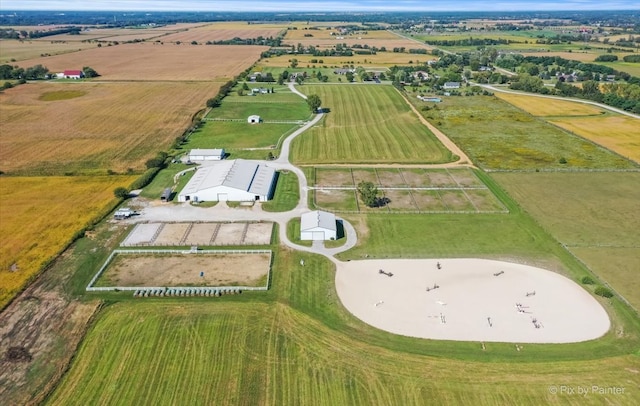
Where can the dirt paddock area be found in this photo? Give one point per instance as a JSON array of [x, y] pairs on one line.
[[470, 300], [174, 269], [188, 234]]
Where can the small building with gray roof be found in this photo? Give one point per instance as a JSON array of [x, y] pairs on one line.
[[206, 154], [236, 180], [318, 226]]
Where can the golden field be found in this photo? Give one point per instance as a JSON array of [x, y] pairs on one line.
[[582, 56], [541, 106], [389, 43], [153, 61], [14, 50], [106, 126], [381, 59], [615, 132], [216, 32], [40, 215], [326, 33]]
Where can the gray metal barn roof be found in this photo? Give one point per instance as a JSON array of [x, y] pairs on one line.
[[318, 218], [206, 152], [249, 176]]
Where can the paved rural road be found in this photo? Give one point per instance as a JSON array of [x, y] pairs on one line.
[[185, 212]]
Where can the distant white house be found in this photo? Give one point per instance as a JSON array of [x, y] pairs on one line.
[[236, 180], [254, 119], [318, 226], [206, 155], [71, 74], [451, 85]]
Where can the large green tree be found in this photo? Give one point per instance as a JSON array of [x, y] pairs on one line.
[[368, 193], [314, 102]]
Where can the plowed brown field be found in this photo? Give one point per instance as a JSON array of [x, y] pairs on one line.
[[154, 61], [112, 126]]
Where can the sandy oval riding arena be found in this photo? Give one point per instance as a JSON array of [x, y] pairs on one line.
[[470, 300]]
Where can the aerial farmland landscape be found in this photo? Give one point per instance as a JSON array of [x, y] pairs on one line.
[[277, 203]]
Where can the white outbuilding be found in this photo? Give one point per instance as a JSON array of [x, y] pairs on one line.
[[254, 119], [236, 180], [318, 226], [196, 155]]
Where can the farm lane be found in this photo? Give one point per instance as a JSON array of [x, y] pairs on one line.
[[446, 141], [186, 212]]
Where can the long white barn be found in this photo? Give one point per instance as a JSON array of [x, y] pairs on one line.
[[234, 180]]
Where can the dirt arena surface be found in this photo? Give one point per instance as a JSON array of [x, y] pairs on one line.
[[153, 270], [186, 234], [475, 300]]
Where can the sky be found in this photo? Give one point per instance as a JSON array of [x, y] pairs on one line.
[[318, 5]]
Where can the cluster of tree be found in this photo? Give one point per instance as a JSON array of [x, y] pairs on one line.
[[48, 33], [159, 161], [8, 72], [631, 58], [606, 58], [470, 42], [260, 40], [224, 91], [624, 96], [553, 64], [512, 27]]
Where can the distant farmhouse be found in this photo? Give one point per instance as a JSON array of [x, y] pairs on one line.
[[451, 85], [196, 155], [71, 74], [237, 180], [254, 119], [318, 226]]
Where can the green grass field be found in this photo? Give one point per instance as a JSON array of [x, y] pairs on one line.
[[499, 136], [287, 193], [164, 179], [594, 214], [296, 343], [281, 105], [232, 135], [367, 124]]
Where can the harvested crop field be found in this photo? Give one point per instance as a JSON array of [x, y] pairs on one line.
[[159, 269], [221, 32], [615, 132], [154, 61], [24, 50], [544, 106], [112, 126], [40, 216]]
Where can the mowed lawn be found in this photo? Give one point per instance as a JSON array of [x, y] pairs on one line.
[[595, 214], [296, 345], [56, 128], [40, 215], [367, 124], [499, 136]]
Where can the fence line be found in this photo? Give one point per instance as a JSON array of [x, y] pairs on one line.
[[91, 288]]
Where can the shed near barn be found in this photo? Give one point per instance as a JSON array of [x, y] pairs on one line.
[[206, 154], [236, 180], [166, 195], [318, 226], [254, 119]]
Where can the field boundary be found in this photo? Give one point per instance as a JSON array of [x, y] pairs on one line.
[[167, 290]]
